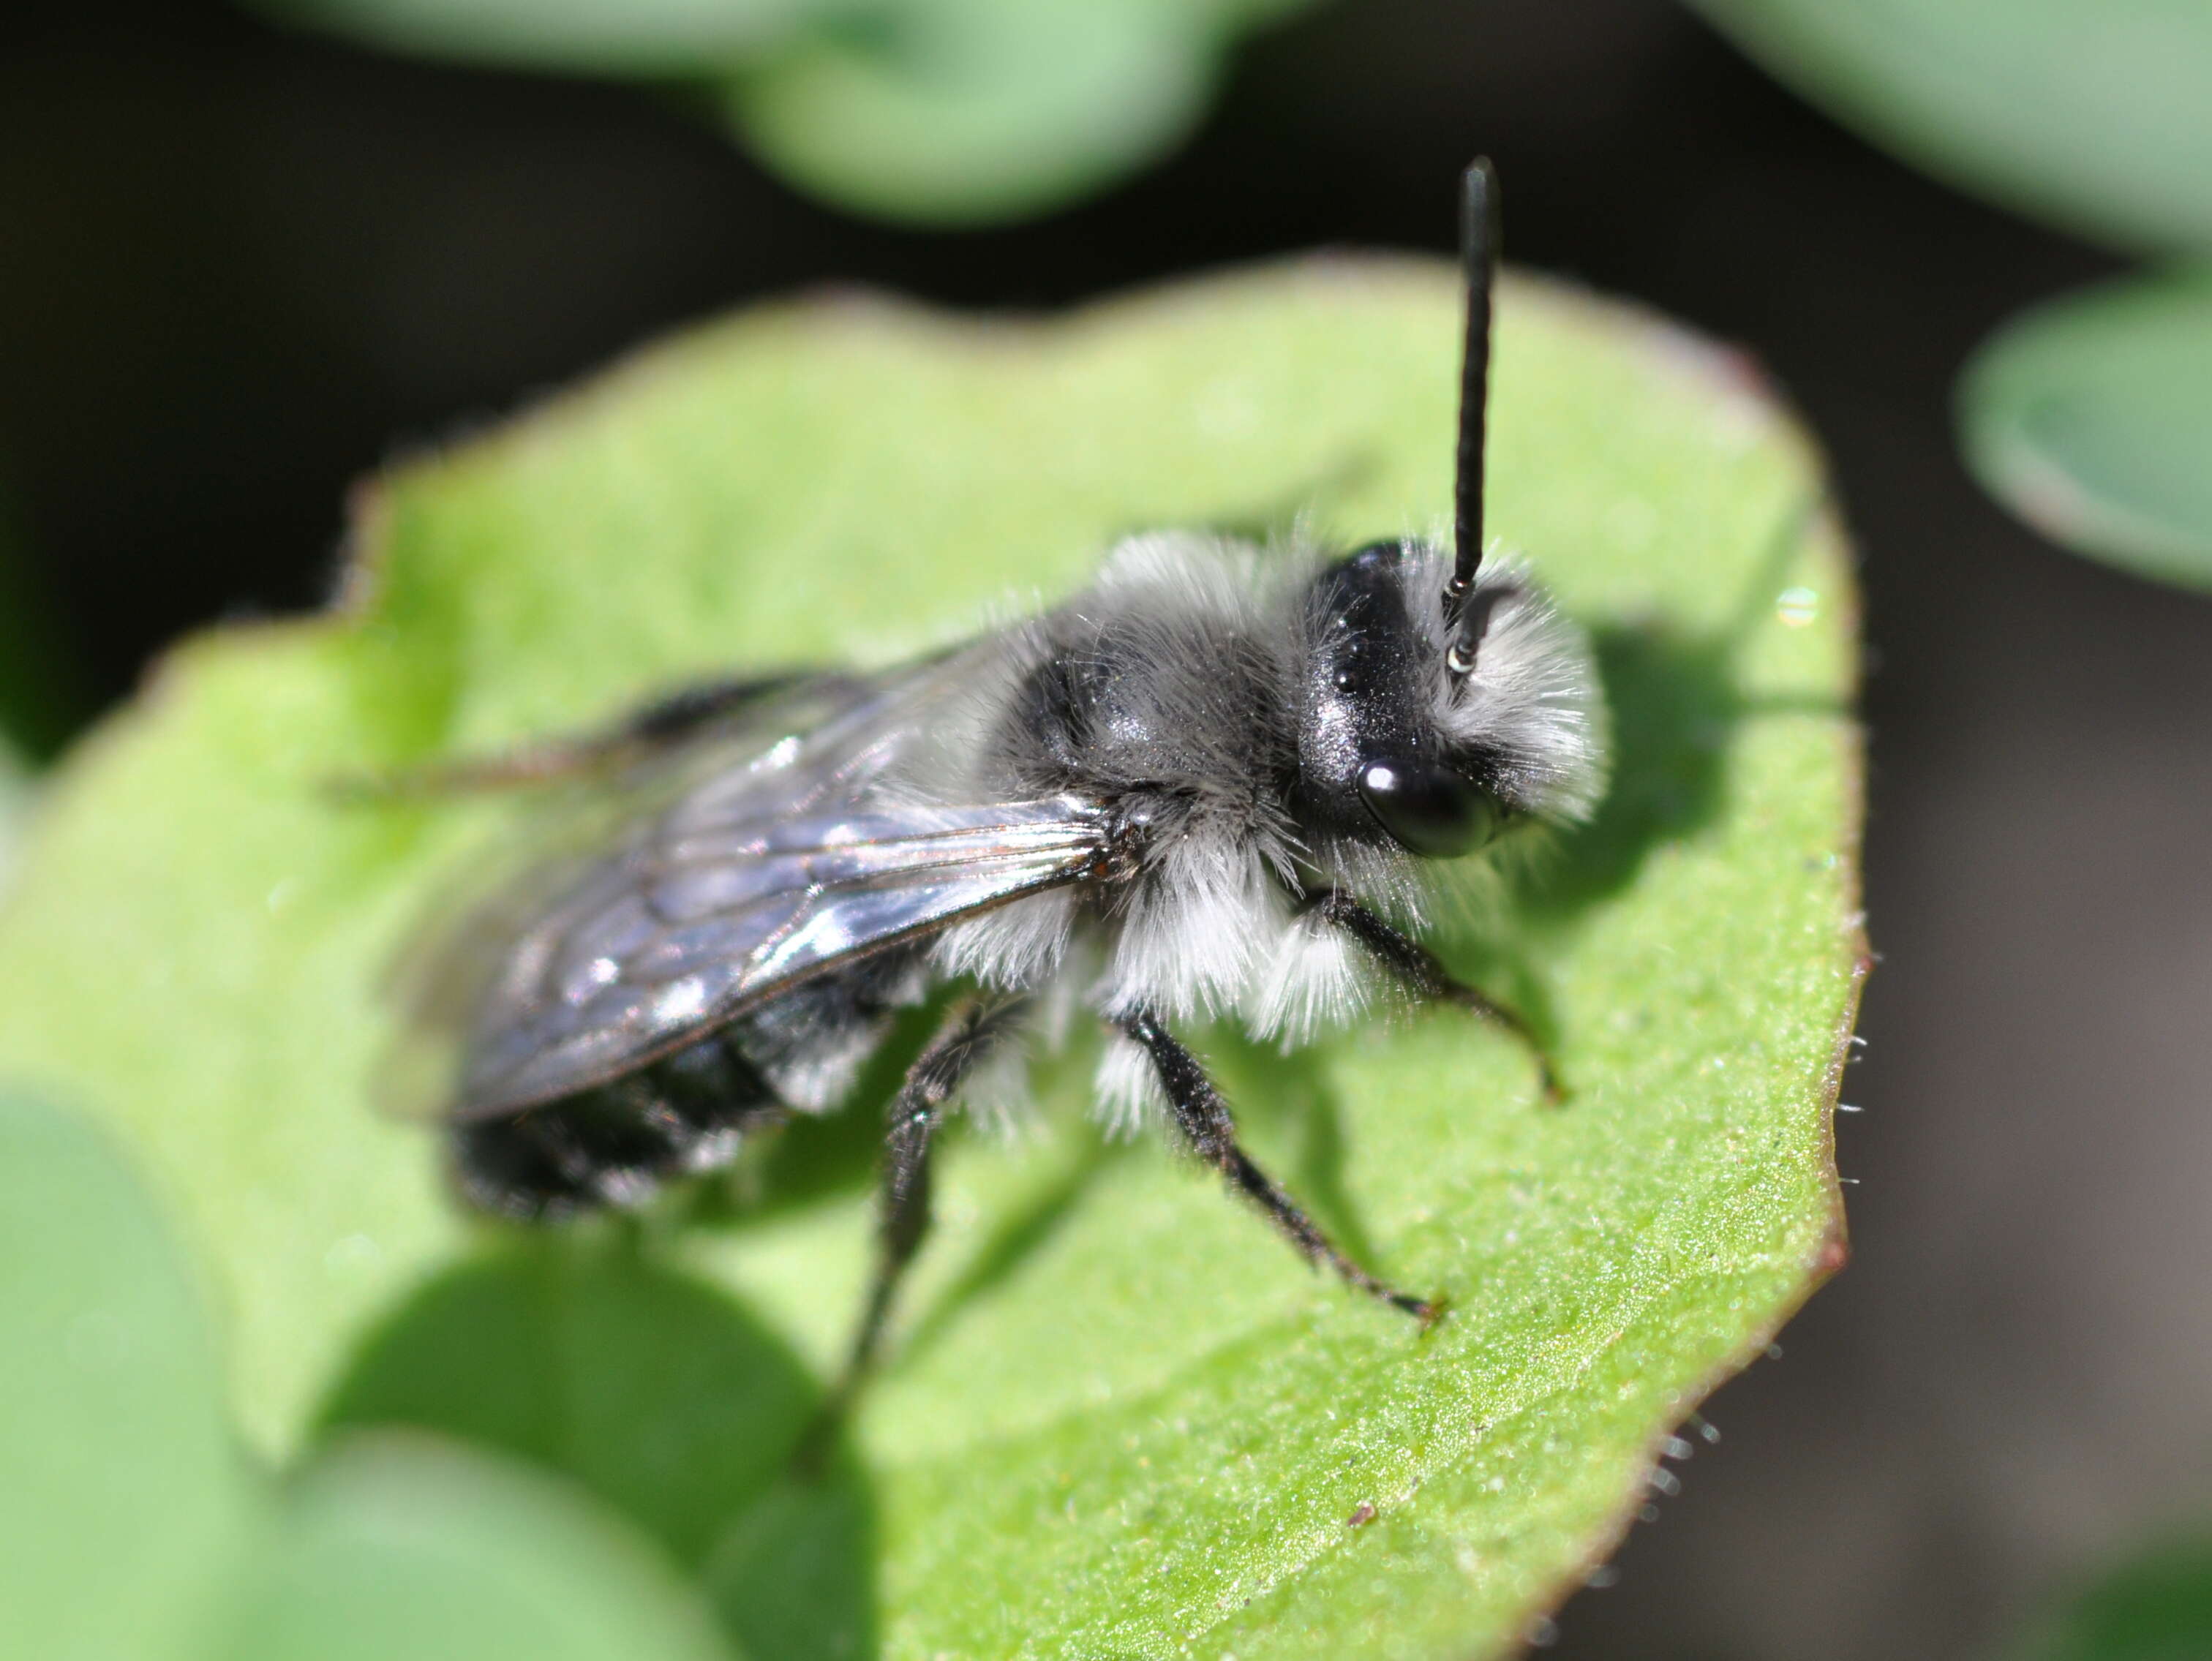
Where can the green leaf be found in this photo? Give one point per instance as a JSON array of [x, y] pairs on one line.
[[42, 699], [933, 111], [2090, 113], [2091, 418], [123, 1504], [391, 1547], [1120, 1416], [960, 112], [2157, 1607], [585, 37], [15, 803], [132, 1530]]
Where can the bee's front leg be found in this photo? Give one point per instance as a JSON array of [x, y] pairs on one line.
[[1417, 970], [1204, 1118]]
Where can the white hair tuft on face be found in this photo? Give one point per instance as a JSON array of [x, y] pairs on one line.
[[1533, 697]]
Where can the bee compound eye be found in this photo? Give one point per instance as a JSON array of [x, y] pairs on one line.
[[1429, 810]]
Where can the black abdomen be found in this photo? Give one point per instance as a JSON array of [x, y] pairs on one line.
[[616, 1143]]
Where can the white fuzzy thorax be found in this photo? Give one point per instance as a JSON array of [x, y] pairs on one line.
[[1208, 926]]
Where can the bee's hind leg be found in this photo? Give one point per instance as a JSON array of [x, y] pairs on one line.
[[1205, 1121], [971, 1030], [1417, 970]]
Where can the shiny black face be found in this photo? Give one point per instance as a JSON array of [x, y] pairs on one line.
[[1372, 755]]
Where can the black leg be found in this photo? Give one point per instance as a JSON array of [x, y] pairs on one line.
[[1417, 970], [970, 1032], [1204, 1118], [667, 720]]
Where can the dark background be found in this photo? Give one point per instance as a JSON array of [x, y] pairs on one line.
[[237, 268]]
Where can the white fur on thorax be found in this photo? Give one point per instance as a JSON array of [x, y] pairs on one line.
[[1207, 929], [1196, 932]]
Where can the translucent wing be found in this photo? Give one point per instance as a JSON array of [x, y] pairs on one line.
[[664, 941], [736, 865]]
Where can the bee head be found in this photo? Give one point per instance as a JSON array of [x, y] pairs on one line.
[[1433, 726], [1442, 700]]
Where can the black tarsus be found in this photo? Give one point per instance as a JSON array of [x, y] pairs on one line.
[[1205, 1121], [1418, 971], [970, 1031], [1478, 244]]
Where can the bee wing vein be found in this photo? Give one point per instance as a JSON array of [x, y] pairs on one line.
[[647, 951]]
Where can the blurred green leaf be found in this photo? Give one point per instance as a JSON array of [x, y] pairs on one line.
[[1119, 1414], [123, 1504], [950, 112], [393, 1548], [132, 1530], [673, 37], [2090, 417], [15, 803], [657, 1391], [793, 1575], [2157, 1607], [41, 699], [936, 111], [2093, 114]]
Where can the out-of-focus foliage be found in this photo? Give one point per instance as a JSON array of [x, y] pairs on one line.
[[131, 1529], [935, 111], [2091, 418], [122, 1503], [40, 704], [2155, 1607], [670, 38], [2095, 115], [14, 801], [37, 709], [1119, 1414]]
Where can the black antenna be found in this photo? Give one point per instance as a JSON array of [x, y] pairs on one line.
[[1478, 251]]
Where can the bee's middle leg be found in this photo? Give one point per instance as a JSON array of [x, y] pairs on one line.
[[1206, 1122], [971, 1030], [1417, 970]]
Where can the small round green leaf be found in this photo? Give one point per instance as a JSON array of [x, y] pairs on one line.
[[971, 111], [2090, 417], [1119, 1416], [934, 112], [394, 1548], [656, 1391], [687, 38], [132, 1528], [122, 1503], [2091, 113]]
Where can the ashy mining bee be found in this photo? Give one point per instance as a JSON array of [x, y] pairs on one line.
[[1215, 783]]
